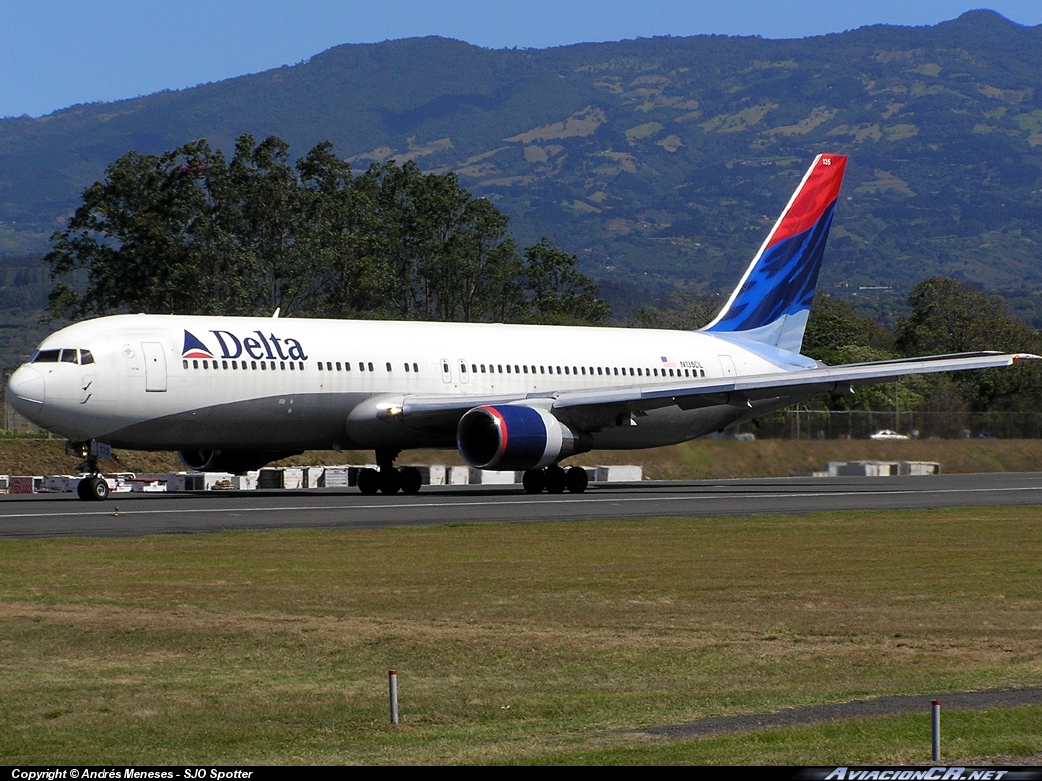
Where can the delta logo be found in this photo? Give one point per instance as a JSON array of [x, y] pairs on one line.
[[233, 346], [194, 348]]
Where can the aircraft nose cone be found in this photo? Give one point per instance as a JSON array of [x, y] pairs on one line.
[[25, 391]]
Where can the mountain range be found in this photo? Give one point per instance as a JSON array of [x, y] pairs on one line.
[[661, 162]]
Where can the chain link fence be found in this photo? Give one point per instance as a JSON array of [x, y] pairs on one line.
[[860, 424]]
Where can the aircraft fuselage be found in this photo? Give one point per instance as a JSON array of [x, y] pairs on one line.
[[160, 382]]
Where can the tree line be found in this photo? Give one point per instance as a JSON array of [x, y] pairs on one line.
[[947, 316], [191, 232]]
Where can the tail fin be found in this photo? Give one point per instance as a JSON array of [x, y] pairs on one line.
[[772, 302]]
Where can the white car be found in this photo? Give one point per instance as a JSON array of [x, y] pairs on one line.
[[887, 434]]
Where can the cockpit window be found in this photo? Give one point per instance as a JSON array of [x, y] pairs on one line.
[[63, 356]]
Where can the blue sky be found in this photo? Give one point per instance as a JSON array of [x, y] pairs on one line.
[[55, 53]]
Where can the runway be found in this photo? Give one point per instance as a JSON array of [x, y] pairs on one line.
[[135, 515]]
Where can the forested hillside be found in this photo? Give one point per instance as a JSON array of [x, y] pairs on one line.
[[660, 162]]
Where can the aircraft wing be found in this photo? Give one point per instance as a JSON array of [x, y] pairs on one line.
[[807, 381], [440, 410]]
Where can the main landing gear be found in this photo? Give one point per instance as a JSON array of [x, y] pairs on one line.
[[92, 488], [387, 479], [556, 480]]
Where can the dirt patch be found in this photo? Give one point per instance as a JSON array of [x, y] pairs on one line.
[[894, 705]]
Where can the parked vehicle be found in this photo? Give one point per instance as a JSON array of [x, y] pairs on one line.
[[887, 434]]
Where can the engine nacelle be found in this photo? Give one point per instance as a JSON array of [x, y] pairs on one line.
[[512, 436], [236, 462]]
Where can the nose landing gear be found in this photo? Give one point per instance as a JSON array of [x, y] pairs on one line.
[[556, 480], [92, 488]]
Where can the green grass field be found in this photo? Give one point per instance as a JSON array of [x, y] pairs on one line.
[[542, 643]]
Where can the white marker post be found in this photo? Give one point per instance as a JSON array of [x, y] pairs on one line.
[[392, 684], [936, 730]]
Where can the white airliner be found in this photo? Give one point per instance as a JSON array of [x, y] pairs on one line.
[[234, 393]]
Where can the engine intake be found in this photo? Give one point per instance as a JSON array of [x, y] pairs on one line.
[[236, 462], [512, 436]]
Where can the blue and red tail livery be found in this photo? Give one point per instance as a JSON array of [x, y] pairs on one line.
[[772, 302]]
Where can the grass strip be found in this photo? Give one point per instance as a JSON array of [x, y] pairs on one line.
[[513, 642]]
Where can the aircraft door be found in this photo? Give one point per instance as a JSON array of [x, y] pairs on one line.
[[727, 365], [155, 366], [464, 375], [446, 371]]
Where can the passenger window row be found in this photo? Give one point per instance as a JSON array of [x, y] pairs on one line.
[[616, 371], [45, 356], [82, 357], [362, 366], [242, 365]]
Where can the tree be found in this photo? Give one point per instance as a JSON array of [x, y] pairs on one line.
[[337, 242], [450, 254], [149, 239], [559, 292], [187, 232], [834, 324], [260, 208], [682, 312], [949, 316]]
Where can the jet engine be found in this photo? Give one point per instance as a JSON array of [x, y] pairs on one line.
[[236, 462], [513, 436]]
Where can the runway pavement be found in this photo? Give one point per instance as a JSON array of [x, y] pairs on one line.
[[133, 515]]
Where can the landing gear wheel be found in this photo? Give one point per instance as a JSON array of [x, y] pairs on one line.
[[410, 479], [577, 479], [556, 479], [83, 489], [368, 481], [534, 481], [99, 489], [390, 481]]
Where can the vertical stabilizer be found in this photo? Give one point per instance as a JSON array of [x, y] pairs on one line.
[[772, 302]]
